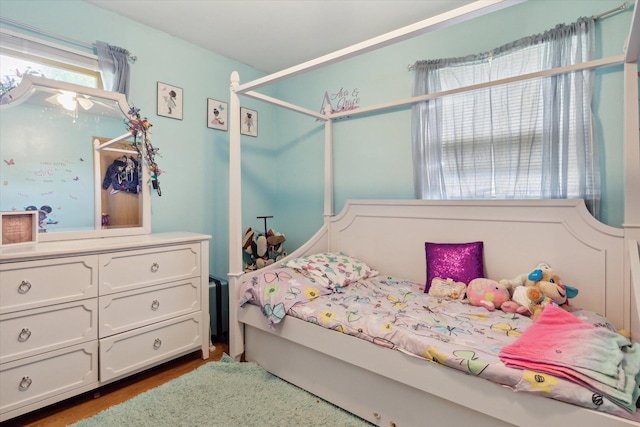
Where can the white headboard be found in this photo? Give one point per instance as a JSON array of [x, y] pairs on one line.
[[517, 235]]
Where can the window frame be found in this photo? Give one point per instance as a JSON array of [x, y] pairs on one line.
[[47, 53]]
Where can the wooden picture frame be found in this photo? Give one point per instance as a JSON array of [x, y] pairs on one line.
[[248, 122], [169, 102], [217, 114], [19, 228]]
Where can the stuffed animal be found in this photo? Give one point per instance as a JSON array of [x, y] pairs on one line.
[[441, 288], [523, 279], [512, 306], [541, 287], [487, 293], [527, 300], [264, 249]]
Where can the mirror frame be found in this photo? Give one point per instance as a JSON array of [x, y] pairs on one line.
[[23, 91]]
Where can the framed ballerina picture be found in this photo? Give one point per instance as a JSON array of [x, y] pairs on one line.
[[248, 122], [169, 101], [217, 114]]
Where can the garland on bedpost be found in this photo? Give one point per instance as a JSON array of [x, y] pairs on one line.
[[139, 126]]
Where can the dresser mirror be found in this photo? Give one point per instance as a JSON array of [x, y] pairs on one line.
[[67, 153]]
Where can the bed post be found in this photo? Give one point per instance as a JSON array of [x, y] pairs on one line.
[[236, 331], [631, 125], [632, 171], [328, 167], [631, 222]]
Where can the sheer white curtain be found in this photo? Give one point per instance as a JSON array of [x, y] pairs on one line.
[[525, 140]]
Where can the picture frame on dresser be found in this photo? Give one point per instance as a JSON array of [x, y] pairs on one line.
[[19, 228]]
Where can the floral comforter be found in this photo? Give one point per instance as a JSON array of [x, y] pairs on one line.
[[397, 314]]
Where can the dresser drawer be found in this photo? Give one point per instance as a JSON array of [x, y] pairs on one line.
[[44, 329], [37, 378], [132, 309], [131, 351], [30, 284], [122, 271]]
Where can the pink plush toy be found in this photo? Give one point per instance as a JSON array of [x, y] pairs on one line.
[[487, 293]]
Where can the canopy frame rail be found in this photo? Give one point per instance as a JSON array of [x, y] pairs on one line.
[[597, 63], [286, 105], [452, 17]]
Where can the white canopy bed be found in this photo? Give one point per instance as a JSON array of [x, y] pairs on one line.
[[393, 388]]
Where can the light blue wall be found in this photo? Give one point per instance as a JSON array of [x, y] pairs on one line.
[[194, 157], [283, 166], [373, 154]]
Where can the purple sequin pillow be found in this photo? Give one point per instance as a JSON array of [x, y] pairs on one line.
[[461, 262]]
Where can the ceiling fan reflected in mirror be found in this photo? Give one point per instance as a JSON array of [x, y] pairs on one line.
[[66, 99], [70, 100]]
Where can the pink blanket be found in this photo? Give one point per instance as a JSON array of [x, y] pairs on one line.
[[560, 344]]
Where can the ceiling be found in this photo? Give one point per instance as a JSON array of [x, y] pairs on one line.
[[271, 35]]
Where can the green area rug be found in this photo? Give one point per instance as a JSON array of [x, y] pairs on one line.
[[224, 393]]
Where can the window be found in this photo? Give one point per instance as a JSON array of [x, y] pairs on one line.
[[526, 140], [14, 64], [20, 53]]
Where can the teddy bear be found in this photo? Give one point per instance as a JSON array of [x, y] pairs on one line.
[[539, 288], [487, 293], [450, 289]]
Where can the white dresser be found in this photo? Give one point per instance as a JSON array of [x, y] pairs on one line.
[[75, 315]]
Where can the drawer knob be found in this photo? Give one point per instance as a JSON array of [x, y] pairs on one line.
[[157, 343], [25, 383], [155, 304], [24, 335], [155, 267], [24, 287]]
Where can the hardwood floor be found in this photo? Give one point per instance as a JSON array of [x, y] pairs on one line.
[[88, 404]]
